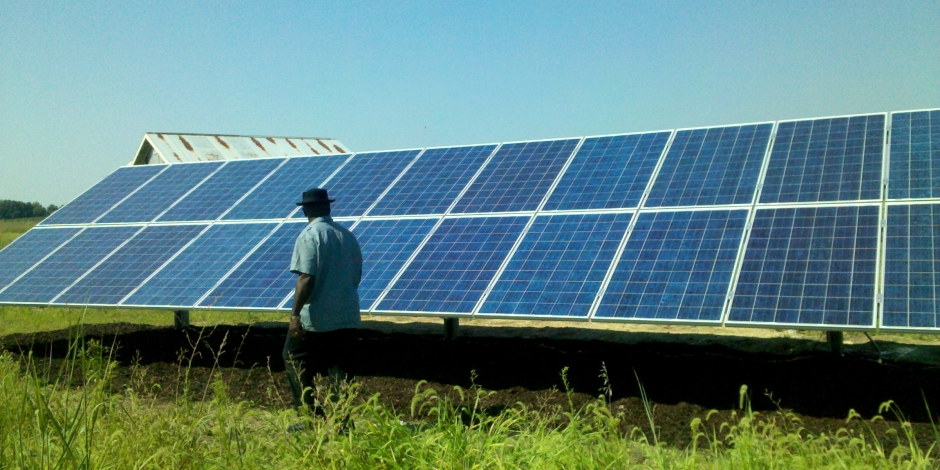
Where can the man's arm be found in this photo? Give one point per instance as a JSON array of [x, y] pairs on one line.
[[301, 295]]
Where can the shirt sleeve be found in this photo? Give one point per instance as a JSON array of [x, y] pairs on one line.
[[357, 259], [304, 259]]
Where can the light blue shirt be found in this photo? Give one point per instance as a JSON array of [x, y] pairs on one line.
[[330, 253]]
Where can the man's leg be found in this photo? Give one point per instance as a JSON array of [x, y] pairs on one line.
[[297, 356], [335, 348]]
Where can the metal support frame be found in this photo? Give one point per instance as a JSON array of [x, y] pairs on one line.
[[834, 338], [450, 327], [181, 319]]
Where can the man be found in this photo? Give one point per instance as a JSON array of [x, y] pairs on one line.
[[328, 264]]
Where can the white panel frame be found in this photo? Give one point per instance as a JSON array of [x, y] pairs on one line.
[[884, 156], [460, 193], [672, 139], [626, 235], [889, 124], [123, 301], [87, 272], [815, 326], [44, 258], [653, 174], [373, 308], [138, 188], [884, 262]]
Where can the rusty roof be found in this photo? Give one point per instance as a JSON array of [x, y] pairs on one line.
[[165, 147]]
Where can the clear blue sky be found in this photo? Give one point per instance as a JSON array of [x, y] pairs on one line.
[[81, 83]]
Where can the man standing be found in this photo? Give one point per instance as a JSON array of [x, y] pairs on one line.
[[328, 264]]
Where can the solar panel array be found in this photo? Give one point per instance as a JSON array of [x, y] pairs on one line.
[[817, 223]]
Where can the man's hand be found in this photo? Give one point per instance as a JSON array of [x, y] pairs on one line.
[[296, 329], [301, 294]]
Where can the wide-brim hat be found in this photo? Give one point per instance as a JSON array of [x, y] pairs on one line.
[[315, 195]]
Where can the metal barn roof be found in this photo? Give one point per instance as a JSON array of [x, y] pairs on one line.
[[162, 147]]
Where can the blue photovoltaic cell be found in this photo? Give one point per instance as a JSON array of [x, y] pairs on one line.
[[360, 182], [719, 165], [263, 280], [61, 269], [915, 155], [434, 181], [386, 245], [127, 267], [912, 261], [609, 172], [28, 249], [200, 266], [559, 266], [104, 195], [517, 177], [221, 190], [157, 196], [455, 266], [809, 266], [675, 266], [277, 196], [826, 160]]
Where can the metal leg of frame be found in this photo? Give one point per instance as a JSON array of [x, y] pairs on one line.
[[835, 342], [450, 327], [181, 319]]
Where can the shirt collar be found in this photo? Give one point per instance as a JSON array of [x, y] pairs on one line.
[[324, 218]]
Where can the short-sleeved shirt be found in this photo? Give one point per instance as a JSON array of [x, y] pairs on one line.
[[330, 253]]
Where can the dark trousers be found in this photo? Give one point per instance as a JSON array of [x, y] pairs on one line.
[[315, 354]]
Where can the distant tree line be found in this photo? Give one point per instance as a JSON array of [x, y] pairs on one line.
[[21, 210]]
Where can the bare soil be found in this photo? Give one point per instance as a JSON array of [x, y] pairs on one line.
[[686, 372]]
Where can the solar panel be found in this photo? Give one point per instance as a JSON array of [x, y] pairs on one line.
[[29, 249], [517, 177], [809, 266], [676, 266], [609, 172], [912, 260], [833, 159], [363, 179], [559, 266], [158, 195], [275, 198], [655, 227], [453, 269], [62, 268], [718, 165], [197, 268], [915, 155], [127, 267], [386, 246], [432, 184], [262, 280], [218, 193], [104, 195]]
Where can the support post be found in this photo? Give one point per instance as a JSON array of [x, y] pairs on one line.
[[181, 319], [835, 342], [450, 327]]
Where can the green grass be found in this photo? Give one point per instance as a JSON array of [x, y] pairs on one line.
[[46, 424], [34, 319]]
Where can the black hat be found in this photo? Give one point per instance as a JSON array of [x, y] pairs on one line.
[[314, 195]]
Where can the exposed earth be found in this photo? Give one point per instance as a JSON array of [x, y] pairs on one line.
[[686, 372]]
